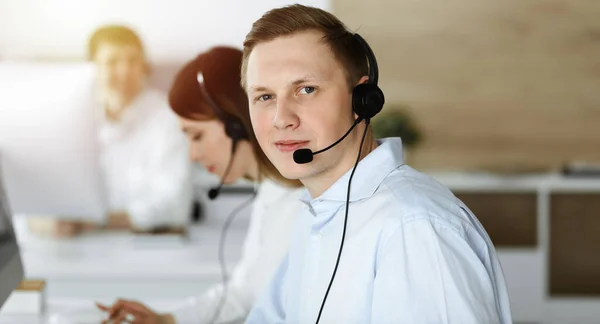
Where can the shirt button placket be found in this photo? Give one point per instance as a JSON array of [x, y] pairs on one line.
[[315, 251]]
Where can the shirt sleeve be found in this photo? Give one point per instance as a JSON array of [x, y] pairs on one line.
[[203, 309], [239, 298], [166, 197], [237, 304], [430, 273], [270, 307]]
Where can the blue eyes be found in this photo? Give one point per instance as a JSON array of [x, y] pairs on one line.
[[264, 97], [308, 90]]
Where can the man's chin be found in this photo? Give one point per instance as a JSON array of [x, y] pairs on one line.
[[124, 93], [293, 172]]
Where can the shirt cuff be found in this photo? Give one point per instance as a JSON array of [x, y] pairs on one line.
[[139, 216], [187, 314]]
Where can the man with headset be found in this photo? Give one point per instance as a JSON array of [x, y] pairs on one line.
[[377, 241]]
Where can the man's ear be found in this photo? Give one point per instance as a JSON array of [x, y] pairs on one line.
[[362, 80]]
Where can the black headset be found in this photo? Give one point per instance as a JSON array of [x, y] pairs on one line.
[[367, 101], [233, 126], [367, 98], [234, 129]]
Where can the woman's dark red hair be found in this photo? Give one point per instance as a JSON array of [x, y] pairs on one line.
[[221, 70]]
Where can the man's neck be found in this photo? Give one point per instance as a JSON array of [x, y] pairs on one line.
[[318, 184], [253, 173], [115, 105]]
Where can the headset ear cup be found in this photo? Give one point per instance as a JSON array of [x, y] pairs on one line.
[[367, 100], [235, 130]]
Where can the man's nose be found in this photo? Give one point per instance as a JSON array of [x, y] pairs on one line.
[[285, 115]]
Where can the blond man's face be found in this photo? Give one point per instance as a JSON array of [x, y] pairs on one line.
[[121, 69], [299, 98]]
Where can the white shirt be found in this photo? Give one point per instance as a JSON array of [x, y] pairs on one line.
[[267, 240], [144, 159], [413, 253]]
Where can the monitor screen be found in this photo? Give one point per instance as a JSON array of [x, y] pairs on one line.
[[48, 140], [11, 268], [6, 233], [6, 229]]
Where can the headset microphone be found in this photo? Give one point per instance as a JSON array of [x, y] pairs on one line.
[[305, 155], [214, 192]]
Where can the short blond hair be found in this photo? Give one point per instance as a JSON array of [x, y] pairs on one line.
[[113, 34], [297, 18]]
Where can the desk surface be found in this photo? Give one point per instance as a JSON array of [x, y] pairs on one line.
[[511, 182], [121, 254], [77, 311], [163, 272]]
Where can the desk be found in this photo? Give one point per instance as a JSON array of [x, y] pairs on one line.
[[78, 311], [104, 266], [115, 264]]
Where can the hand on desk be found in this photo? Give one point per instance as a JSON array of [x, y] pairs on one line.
[[53, 227], [133, 312], [56, 227]]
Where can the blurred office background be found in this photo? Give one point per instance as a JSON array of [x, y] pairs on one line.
[[504, 96]]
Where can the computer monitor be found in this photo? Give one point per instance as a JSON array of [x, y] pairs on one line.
[[11, 268], [48, 140]]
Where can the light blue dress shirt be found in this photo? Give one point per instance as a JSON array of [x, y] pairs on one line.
[[413, 253]]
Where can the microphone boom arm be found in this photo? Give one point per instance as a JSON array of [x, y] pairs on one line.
[[356, 122]]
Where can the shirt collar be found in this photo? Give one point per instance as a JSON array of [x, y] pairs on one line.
[[132, 115], [369, 174]]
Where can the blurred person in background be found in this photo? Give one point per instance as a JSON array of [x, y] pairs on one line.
[[143, 153], [208, 116]]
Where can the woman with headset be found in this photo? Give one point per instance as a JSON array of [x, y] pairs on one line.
[[213, 111]]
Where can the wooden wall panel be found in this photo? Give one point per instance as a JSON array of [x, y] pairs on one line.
[[492, 84]]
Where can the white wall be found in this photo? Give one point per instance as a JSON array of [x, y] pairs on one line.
[[173, 30]]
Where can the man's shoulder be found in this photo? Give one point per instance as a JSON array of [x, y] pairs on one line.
[[413, 190], [153, 95], [154, 102], [407, 194], [157, 109]]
